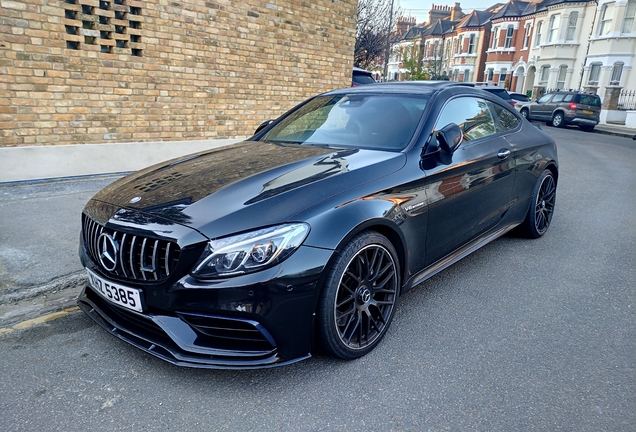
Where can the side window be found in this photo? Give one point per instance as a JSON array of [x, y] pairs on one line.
[[506, 120], [471, 115], [558, 97], [544, 98], [568, 98]]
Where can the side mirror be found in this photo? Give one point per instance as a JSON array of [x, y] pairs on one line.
[[449, 138], [263, 126]]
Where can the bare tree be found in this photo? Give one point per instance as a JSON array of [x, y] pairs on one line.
[[373, 32]]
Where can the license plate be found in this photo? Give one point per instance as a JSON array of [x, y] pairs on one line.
[[588, 112], [129, 298]]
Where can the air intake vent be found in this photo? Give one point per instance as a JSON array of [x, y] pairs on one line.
[[128, 256]]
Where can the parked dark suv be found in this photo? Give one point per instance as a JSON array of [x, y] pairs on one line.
[[566, 107], [360, 77], [499, 91]]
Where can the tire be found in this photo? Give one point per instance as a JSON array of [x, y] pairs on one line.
[[541, 209], [587, 128], [557, 120], [524, 113], [357, 300]]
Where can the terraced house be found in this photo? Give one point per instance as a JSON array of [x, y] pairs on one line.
[[535, 46]]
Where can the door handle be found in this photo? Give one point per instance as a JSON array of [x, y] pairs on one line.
[[503, 153]]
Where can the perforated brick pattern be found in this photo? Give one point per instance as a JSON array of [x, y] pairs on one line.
[[107, 26], [110, 71]]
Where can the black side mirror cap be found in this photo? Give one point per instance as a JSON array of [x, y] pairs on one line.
[[263, 126], [449, 138]]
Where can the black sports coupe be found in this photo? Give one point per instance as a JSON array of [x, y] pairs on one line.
[[303, 237]]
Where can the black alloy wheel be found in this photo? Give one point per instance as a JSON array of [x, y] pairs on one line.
[[524, 112], [358, 299], [557, 120], [542, 208]]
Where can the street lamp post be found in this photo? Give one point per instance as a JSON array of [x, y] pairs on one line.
[[388, 44]]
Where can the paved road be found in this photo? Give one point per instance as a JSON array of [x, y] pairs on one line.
[[521, 335]]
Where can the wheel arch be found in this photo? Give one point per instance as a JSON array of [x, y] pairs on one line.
[[386, 229], [559, 110]]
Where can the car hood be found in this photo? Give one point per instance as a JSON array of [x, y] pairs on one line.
[[245, 185]]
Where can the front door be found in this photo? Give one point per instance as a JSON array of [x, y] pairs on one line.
[[471, 194]]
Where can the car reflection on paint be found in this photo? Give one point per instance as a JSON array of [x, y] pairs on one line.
[[304, 237]]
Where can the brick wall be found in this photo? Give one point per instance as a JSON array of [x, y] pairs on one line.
[[95, 71]]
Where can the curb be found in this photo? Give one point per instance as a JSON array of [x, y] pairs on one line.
[[615, 133], [23, 325], [35, 304]]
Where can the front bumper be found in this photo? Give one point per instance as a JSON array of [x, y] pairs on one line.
[[252, 321]]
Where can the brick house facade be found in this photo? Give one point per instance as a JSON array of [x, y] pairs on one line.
[[106, 71]]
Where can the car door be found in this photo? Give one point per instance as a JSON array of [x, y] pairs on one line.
[[540, 109], [469, 195]]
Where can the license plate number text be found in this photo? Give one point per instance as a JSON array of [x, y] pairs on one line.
[[115, 293]]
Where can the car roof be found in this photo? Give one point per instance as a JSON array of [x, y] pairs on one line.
[[419, 87], [359, 70]]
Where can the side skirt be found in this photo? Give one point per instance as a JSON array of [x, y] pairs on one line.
[[452, 258]]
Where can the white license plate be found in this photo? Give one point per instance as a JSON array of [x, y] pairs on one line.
[[115, 293]]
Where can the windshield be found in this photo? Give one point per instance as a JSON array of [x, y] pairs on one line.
[[374, 121]]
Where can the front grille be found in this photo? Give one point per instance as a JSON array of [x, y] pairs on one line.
[[138, 258]]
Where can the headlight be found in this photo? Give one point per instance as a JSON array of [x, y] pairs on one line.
[[250, 252]]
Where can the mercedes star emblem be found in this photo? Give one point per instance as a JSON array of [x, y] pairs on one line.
[[108, 248]]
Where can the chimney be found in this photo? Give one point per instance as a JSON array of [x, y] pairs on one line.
[[456, 12]]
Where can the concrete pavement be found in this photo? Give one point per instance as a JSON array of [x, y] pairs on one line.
[[618, 130], [40, 224]]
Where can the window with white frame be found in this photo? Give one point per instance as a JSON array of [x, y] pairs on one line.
[[605, 24], [495, 37], [502, 75], [563, 70], [545, 74], [572, 20], [467, 75], [526, 36], [471, 44], [491, 73], [460, 41], [595, 70], [508, 41], [617, 71], [628, 21], [553, 28], [537, 36]]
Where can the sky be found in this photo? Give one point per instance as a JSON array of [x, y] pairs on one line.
[[419, 8]]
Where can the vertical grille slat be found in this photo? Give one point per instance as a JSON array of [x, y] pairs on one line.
[[132, 257], [142, 258], [155, 262], [122, 259], [167, 260], [138, 258]]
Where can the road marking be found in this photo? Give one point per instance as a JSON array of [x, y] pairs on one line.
[[39, 320]]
